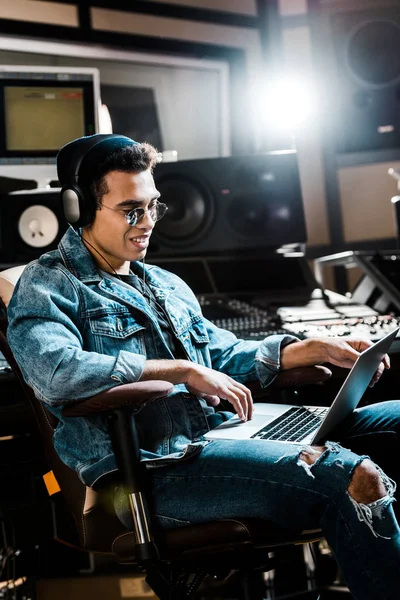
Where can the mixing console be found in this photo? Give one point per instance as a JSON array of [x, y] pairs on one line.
[[248, 321], [243, 319], [373, 328]]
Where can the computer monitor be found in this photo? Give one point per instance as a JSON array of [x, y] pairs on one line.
[[41, 109]]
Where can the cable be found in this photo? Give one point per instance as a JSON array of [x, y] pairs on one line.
[[115, 272], [100, 254]]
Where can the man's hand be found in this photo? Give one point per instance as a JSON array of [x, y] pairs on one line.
[[202, 381], [212, 385], [337, 351], [344, 353]]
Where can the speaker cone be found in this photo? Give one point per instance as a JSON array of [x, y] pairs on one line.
[[190, 208], [38, 226], [373, 52]]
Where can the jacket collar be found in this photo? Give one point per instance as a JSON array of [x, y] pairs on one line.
[[77, 257], [79, 261]]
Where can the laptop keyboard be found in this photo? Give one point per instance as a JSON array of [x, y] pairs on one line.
[[294, 425]]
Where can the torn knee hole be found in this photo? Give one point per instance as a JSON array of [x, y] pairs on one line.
[[366, 484], [312, 453]]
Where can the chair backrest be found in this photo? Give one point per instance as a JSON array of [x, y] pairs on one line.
[[8, 280], [96, 525]]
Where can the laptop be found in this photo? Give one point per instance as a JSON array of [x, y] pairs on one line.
[[307, 424]]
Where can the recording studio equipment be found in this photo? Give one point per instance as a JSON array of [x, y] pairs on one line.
[[379, 287], [227, 204], [271, 276], [31, 223], [255, 296], [41, 109], [374, 328], [359, 48], [10, 184], [242, 318]]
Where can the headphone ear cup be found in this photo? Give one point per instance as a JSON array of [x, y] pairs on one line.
[[78, 209]]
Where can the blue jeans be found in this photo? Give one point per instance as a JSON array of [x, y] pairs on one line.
[[269, 480]]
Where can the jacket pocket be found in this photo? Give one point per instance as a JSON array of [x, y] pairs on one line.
[[199, 340], [198, 333], [113, 332]]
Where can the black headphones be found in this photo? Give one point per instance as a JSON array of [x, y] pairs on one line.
[[77, 202]]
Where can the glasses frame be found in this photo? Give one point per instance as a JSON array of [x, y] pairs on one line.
[[135, 215]]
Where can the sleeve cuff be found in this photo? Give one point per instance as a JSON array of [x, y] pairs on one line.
[[128, 367], [268, 357]]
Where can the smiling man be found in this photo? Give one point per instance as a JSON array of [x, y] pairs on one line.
[[90, 315], [130, 196]]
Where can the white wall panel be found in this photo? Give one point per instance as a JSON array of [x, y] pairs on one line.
[[38, 11], [365, 193]]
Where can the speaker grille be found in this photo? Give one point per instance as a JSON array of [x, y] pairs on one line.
[[38, 226], [229, 204], [30, 224], [373, 53], [190, 209]]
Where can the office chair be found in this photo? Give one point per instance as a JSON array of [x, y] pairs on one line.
[[175, 561]]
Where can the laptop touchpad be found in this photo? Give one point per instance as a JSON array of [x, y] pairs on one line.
[[257, 422]]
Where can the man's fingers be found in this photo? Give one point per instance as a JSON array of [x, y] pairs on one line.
[[350, 357], [245, 394], [386, 361], [360, 345], [233, 397], [211, 399], [242, 398], [378, 374], [245, 400]]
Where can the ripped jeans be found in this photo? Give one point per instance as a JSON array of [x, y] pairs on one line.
[[269, 480]]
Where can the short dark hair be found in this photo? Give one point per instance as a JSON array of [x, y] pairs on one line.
[[128, 159]]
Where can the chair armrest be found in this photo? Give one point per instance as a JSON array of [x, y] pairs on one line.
[[302, 376], [129, 394], [286, 383]]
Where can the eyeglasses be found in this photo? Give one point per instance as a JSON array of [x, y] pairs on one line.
[[156, 210]]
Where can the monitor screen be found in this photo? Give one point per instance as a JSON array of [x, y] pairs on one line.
[[194, 273], [42, 118], [42, 111], [260, 275], [284, 277]]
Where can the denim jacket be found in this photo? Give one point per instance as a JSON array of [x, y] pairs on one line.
[[75, 333]]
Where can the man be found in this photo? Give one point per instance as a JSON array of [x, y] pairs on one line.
[[90, 316]]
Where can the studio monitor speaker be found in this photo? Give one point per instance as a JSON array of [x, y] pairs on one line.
[[229, 204], [362, 76], [31, 223]]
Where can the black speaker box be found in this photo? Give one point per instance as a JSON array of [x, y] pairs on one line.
[[229, 204], [362, 77], [31, 223]]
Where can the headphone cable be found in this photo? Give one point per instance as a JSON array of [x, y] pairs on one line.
[[144, 285], [100, 254]]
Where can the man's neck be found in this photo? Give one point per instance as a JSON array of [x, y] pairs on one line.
[[103, 262]]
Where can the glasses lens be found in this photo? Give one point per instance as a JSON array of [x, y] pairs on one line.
[[134, 216], [158, 211]]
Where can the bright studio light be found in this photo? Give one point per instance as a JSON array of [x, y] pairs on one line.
[[288, 104]]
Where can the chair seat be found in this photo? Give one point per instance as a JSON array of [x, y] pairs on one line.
[[210, 539]]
